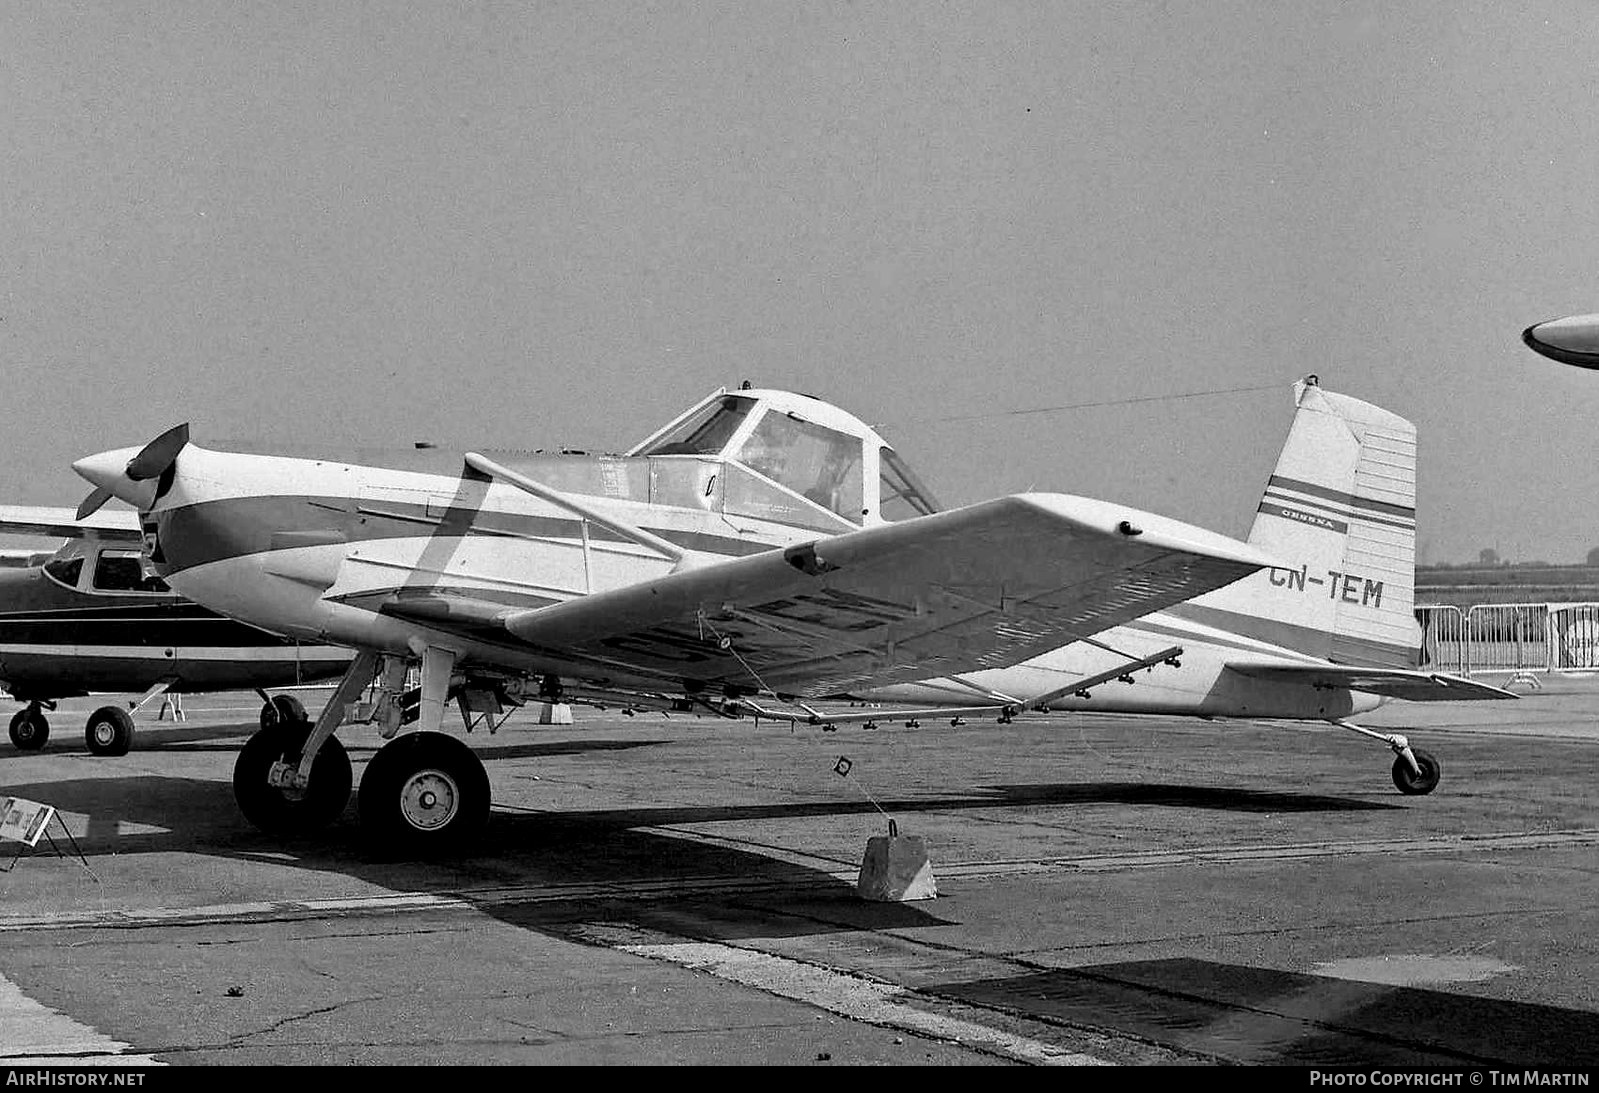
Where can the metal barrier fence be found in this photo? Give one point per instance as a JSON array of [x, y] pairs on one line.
[[1507, 637], [1574, 636], [1443, 639], [1521, 639]]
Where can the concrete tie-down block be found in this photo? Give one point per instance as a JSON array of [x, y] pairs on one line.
[[896, 868]]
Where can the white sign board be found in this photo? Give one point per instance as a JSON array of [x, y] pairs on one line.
[[23, 821]]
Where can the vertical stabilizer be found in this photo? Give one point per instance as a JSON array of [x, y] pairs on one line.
[[1340, 506]]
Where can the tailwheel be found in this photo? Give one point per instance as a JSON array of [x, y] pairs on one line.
[[289, 810], [109, 731], [281, 709], [29, 729], [424, 793], [1411, 783]]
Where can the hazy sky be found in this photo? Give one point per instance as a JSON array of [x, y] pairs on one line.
[[541, 224]]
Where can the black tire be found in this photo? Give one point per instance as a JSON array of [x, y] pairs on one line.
[[109, 731], [29, 729], [423, 794], [1409, 782], [287, 811], [280, 709]]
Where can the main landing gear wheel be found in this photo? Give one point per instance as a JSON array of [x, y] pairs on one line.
[[1412, 784], [29, 729], [280, 709], [109, 731], [423, 793], [279, 811]]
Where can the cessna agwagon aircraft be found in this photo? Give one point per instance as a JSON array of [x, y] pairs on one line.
[[89, 619], [762, 550]]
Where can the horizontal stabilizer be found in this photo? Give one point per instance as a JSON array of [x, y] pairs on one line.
[[1390, 682], [115, 526]]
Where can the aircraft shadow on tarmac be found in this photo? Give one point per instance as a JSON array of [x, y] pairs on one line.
[[610, 849], [1241, 1014], [201, 815]]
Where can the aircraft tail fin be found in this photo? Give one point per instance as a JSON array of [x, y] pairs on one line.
[[1341, 505]]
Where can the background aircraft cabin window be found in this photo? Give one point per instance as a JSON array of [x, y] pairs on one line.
[[817, 463], [119, 571], [65, 570], [901, 493], [707, 432]]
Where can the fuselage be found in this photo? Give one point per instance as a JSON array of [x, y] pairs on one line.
[[89, 621], [405, 561]]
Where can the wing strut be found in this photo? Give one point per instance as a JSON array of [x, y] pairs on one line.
[[670, 551]]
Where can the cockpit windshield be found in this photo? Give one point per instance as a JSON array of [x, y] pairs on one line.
[[708, 431], [65, 570], [815, 462]]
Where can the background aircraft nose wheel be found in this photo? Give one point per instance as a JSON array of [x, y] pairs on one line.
[[281, 708], [423, 793], [109, 731], [1409, 782], [29, 729], [291, 811]]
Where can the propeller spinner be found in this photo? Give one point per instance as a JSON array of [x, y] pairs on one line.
[[138, 476]]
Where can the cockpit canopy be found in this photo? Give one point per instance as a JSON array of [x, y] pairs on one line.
[[785, 453]]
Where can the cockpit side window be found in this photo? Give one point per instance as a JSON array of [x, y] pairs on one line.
[[707, 432], [65, 570], [815, 462], [901, 494], [123, 571]]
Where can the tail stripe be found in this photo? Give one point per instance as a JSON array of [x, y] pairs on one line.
[[1279, 509], [1365, 504]]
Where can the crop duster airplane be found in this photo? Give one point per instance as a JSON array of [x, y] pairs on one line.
[[89, 619], [762, 551]]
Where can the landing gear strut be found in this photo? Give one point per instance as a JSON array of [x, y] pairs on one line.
[[1416, 772], [423, 793]]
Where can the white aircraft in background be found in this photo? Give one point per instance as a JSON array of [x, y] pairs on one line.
[[763, 550], [1326, 634]]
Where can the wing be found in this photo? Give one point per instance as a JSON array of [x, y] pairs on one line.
[[983, 586], [1392, 682], [115, 526]]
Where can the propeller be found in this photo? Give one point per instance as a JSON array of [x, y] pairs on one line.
[[155, 460], [155, 457], [91, 504]]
